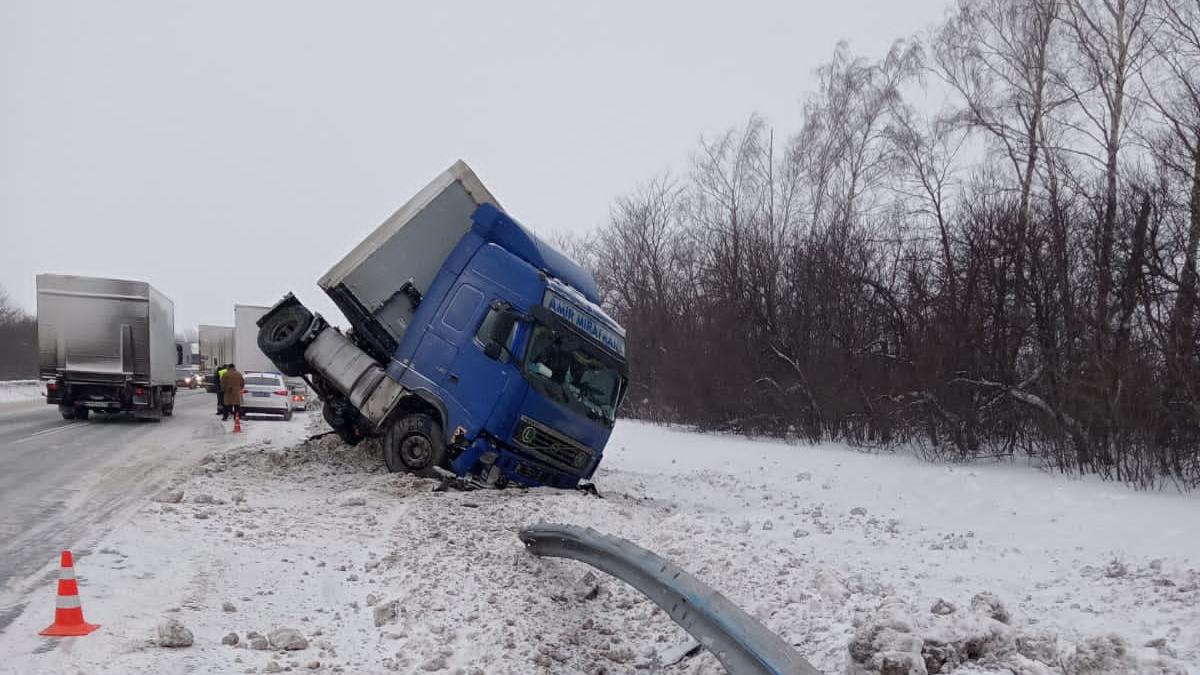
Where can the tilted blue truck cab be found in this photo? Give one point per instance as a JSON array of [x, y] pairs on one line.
[[475, 346]]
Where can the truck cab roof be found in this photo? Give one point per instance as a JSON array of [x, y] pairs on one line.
[[497, 226]]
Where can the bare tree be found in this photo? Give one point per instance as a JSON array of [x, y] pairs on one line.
[[999, 57], [8, 311], [842, 149], [929, 149], [1173, 90], [18, 340], [871, 284], [1111, 44]]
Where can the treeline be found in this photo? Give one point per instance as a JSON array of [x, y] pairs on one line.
[[1014, 273], [18, 341]]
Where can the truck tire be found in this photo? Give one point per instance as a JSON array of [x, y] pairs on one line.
[[82, 413], [415, 443], [281, 338], [67, 412], [343, 428], [296, 367], [168, 410]]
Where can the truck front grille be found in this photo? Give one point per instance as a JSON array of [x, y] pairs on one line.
[[534, 473], [547, 445]]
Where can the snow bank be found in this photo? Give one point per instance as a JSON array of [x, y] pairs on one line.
[[20, 390], [866, 563], [897, 642]]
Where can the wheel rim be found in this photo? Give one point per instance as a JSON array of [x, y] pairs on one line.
[[284, 331], [416, 451]]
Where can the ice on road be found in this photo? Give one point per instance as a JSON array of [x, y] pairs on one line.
[[377, 573], [66, 483]]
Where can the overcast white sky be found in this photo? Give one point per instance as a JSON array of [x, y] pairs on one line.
[[232, 151]]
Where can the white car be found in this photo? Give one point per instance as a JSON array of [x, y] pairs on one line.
[[266, 394]]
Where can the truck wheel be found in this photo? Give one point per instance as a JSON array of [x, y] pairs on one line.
[[81, 413], [295, 367], [280, 337], [67, 412], [415, 443], [343, 428], [168, 410]]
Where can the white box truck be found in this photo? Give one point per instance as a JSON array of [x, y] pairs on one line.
[[246, 354], [105, 345]]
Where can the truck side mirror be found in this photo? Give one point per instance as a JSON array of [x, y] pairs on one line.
[[493, 350], [497, 339]]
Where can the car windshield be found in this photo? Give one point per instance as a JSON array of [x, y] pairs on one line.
[[264, 381], [559, 365]]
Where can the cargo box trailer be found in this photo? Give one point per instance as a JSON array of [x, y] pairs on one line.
[[105, 345]]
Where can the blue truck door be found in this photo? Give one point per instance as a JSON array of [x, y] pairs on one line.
[[463, 372], [475, 380], [434, 354]]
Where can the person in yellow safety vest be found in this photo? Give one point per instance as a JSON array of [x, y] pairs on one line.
[[221, 391]]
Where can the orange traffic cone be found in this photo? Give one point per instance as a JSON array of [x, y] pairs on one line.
[[237, 423], [68, 615]]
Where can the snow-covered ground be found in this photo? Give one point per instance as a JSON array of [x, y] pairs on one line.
[[840, 552], [20, 390]]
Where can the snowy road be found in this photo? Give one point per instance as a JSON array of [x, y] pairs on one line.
[[62, 483], [821, 544]]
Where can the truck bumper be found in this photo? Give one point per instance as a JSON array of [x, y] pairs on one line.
[[101, 405], [143, 400], [489, 463], [530, 473]]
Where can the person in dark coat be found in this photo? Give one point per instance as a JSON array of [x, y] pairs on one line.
[[232, 382]]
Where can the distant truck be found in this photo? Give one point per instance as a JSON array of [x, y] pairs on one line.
[[475, 347], [216, 349], [246, 354], [106, 346]]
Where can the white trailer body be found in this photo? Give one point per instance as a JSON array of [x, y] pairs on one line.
[[106, 329], [105, 345], [246, 354], [216, 346], [373, 284]]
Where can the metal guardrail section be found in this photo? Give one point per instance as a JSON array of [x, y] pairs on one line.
[[742, 644]]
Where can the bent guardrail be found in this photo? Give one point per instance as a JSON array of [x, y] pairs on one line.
[[742, 644]]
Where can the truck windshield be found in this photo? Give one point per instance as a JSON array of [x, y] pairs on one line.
[[560, 366]]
